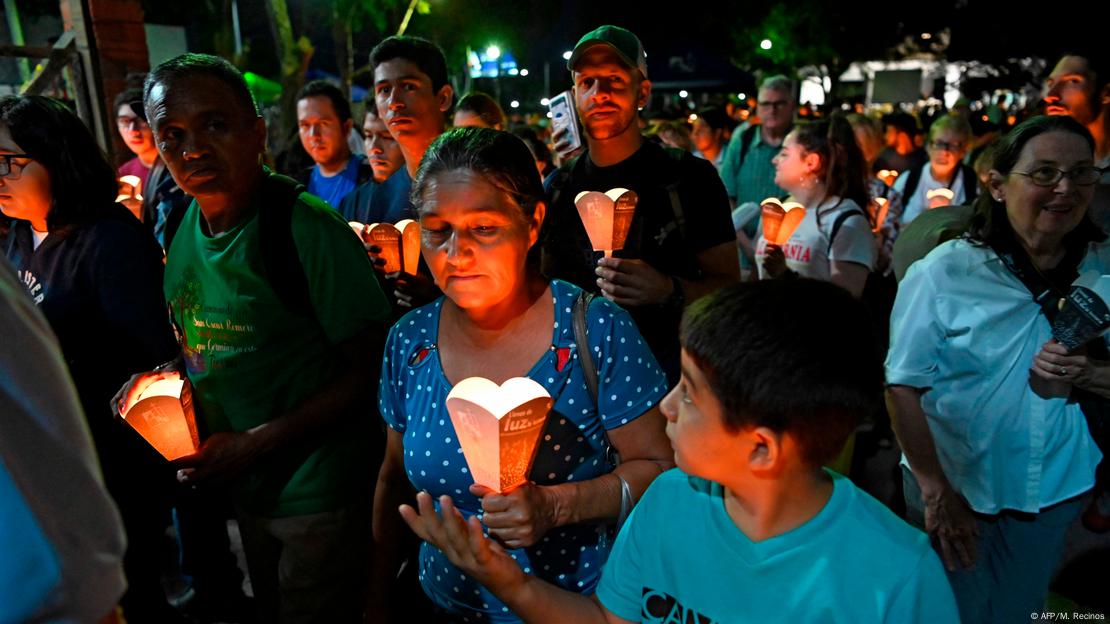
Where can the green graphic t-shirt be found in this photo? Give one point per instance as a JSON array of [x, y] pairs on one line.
[[251, 360]]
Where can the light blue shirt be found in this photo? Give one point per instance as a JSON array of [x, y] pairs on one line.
[[919, 203], [681, 558], [965, 328]]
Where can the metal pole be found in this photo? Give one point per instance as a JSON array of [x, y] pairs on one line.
[[235, 27], [15, 27], [81, 26]]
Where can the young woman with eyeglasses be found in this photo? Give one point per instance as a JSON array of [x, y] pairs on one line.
[[96, 274]]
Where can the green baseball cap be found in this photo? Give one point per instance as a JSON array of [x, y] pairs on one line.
[[626, 45]]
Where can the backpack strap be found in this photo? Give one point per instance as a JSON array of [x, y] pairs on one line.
[[971, 184], [838, 222], [280, 258], [672, 193], [746, 139], [912, 180], [589, 369]]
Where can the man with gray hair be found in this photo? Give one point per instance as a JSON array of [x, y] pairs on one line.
[[747, 170]]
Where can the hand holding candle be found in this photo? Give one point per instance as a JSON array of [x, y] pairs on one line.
[[162, 414], [878, 208], [129, 194], [398, 245], [780, 220], [939, 197]]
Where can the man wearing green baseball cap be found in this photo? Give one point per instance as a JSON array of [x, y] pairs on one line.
[[681, 244]]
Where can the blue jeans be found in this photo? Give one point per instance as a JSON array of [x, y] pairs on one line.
[[1016, 556]]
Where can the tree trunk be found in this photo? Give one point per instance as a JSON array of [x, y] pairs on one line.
[[344, 45], [293, 57]]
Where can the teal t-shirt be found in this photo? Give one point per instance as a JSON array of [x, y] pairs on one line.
[[680, 558], [251, 360]]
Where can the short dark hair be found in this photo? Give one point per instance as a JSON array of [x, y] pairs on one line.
[[191, 64], [484, 106], [1096, 65], [426, 55], [81, 180], [534, 143], [323, 88], [501, 158], [133, 95], [989, 222], [796, 356], [716, 118], [903, 122]]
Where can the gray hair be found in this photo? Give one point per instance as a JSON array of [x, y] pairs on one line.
[[779, 83]]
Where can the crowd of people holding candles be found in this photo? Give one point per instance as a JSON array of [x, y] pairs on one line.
[[492, 372]]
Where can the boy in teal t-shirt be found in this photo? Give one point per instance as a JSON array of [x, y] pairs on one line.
[[750, 527]]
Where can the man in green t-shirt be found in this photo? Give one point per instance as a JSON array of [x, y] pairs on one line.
[[280, 388]]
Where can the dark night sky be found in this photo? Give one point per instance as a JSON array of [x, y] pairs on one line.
[[538, 32]]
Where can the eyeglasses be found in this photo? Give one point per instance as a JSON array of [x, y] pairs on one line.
[[946, 147], [125, 123], [1051, 176], [6, 168]]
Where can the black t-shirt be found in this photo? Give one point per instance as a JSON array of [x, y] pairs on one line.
[[654, 236], [99, 284], [890, 159]]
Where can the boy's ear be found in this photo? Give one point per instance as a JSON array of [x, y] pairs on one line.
[[766, 455]]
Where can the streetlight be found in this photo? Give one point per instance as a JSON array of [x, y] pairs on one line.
[[524, 72], [545, 102], [493, 53], [514, 104], [683, 93], [566, 55], [765, 44]]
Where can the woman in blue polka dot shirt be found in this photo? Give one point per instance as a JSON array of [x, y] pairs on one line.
[[481, 206]]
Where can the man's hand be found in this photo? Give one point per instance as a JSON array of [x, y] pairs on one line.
[[413, 291], [632, 282], [562, 146], [463, 543], [774, 262], [374, 253], [949, 519], [519, 518], [223, 456]]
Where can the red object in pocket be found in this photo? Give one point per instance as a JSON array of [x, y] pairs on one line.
[[562, 357], [419, 356]]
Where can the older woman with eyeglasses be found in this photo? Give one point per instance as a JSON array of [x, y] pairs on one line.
[[949, 137], [998, 453]]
